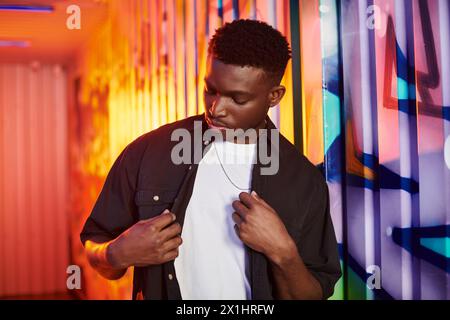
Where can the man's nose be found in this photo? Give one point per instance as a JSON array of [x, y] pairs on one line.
[[217, 108]]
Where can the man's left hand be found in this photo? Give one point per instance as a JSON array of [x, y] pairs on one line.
[[259, 226]]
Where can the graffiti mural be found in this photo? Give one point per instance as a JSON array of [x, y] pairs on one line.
[[385, 122]]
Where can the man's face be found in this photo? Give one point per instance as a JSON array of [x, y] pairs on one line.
[[235, 97]]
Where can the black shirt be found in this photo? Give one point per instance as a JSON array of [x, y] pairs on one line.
[[144, 181]]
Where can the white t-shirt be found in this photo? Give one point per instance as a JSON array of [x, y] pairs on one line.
[[212, 261]]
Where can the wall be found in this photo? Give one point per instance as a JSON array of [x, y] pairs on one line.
[[33, 180]]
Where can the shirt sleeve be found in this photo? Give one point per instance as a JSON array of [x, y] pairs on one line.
[[317, 242], [114, 209]]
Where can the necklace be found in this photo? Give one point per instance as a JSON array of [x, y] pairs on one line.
[[225, 172]]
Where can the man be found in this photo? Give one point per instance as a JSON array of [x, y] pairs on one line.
[[209, 229]]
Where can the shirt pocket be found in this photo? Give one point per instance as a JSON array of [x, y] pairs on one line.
[[152, 202]]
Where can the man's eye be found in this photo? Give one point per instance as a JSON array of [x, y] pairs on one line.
[[239, 102]]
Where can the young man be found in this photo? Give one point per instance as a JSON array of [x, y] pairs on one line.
[[209, 229]]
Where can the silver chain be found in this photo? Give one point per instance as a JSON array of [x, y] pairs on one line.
[[224, 171]]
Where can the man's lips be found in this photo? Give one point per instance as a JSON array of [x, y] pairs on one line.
[[215, 124]]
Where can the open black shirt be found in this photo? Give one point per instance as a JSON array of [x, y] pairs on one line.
[[144, 181]]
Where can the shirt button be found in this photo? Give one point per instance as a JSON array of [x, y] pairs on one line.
[[170, 276], [156, 197], [190, 167]]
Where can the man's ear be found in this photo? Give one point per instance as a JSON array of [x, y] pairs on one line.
[[275, 95]]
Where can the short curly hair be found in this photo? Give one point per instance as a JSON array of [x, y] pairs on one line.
[[251, 43]]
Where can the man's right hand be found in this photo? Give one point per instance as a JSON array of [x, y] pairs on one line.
[[148, 242]]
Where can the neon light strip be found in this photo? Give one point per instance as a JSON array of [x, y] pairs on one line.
[[14, 43], [26, 8]]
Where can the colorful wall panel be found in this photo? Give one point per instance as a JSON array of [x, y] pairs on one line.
[[34, 251], [384, 128]]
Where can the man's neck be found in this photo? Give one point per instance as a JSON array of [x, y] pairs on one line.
[[247, 139]]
